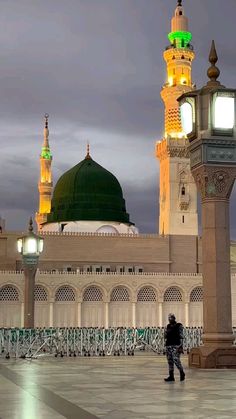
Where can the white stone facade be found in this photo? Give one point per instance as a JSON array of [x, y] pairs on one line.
[[106, 227], [178, 192], [104, 300]]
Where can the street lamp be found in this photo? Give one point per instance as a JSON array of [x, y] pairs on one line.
[[209, 121], [30, 246]]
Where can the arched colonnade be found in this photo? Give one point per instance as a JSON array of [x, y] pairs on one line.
[[94, 306]]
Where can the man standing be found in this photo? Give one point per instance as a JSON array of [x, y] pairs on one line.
[[174, 347]]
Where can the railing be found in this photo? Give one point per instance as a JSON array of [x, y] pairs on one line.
[[189, 47], [97, 234], [75, 272], [60, 342]]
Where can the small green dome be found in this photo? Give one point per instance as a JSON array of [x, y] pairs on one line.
[[88, 192]]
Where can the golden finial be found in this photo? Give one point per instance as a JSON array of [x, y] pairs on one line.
[[88, 151], [213, 72], [46, 116], [31, 228]]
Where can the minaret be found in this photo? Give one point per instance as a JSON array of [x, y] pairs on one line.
[[45, 182], [178, 193]]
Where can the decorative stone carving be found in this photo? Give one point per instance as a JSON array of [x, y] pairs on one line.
[[196, 157], [183, 205], [178, 152], [172, 147], [214, 182], [222, 154]]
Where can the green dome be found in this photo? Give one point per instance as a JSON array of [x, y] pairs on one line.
[[88, 192]]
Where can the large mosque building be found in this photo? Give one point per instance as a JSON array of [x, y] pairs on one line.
[[96, 269]]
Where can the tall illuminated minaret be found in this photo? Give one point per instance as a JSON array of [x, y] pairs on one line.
[[178, 193], [45, 182]]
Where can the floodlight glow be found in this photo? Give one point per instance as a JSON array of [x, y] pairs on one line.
[[170, 81], [40, 245], [186, 112], [19, 245], [224, 112], [31, 246]]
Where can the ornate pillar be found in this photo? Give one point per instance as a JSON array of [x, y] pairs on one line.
[[215, 185]]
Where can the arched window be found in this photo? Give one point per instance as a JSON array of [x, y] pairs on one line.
[[40, 293], [65, 293], [92, 293], [9, 293], [196, 294], [173, 294], [120, 294], [147, 294]]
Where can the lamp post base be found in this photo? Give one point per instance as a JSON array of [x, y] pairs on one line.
[[213, 357]]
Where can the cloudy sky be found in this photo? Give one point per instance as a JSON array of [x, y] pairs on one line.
[[96, 67]]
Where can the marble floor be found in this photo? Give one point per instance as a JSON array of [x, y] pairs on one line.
[[112, 388]]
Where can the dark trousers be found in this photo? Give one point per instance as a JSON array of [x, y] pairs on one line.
[[173, 358]]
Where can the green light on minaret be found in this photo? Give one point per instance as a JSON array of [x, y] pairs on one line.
[[46, 153], [180, 39]]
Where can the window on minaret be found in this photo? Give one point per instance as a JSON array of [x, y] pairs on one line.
[[183, 191]]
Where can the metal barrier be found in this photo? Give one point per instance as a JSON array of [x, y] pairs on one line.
[[32, 343]]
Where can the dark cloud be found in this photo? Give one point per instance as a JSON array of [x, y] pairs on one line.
[[96, 66], [141, 204]]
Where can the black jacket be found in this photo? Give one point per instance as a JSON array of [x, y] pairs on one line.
[[174, 334]]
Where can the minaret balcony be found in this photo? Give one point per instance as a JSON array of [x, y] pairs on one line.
[[189, 47]]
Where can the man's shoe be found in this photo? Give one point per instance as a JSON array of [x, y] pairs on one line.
[[182, 376], [170, 378]]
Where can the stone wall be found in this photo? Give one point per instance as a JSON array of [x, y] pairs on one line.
[[74, 251]]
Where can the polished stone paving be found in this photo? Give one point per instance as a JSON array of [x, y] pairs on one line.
[[112, 388]]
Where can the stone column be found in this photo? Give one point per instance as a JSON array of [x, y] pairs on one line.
[[29, 276], [22, 315], [51, 304], [79, 314], [215, 185], [106, 314], [160, 313], [186, 306], [134, 314]]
